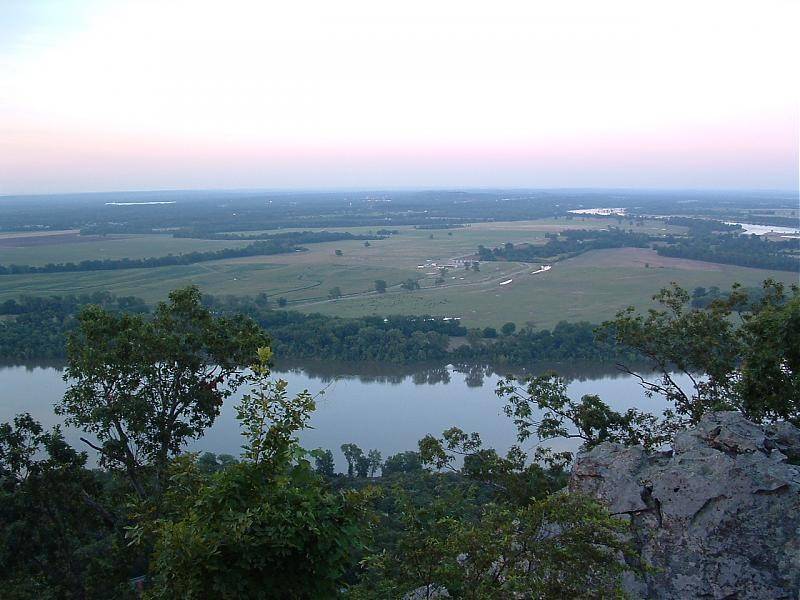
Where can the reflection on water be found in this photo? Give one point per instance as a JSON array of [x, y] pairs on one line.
[[432, 374], [387, 409]]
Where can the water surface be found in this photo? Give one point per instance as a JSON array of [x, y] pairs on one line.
[[752, 228], [385, 409]]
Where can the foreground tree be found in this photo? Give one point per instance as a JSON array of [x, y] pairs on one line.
[[559, 547], [737, 354], [266, 527], [770, 364], [56, 539], [145, 386], [495, 529]]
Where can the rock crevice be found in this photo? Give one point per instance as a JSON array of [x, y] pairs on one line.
[[717, 517]]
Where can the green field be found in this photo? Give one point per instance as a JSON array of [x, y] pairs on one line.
[[590, 287], [79, 248]]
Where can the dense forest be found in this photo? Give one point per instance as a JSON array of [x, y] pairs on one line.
[[452, 517], [36, 328]]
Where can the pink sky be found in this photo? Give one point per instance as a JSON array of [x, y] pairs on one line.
[[115, 96]]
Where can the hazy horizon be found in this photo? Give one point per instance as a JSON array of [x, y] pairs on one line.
[[122, 97], [412, 189]]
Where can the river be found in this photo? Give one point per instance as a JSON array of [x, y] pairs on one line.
[[753, 229], [375, 408]]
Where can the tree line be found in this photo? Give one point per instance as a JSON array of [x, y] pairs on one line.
[[570, 242], [261, 248], [743, 250], [36, 328], [291, 237]]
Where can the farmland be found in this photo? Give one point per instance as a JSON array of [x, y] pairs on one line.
[[68, 246], [588, 287]]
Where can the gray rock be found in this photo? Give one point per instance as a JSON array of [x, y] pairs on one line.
[[427, 592], [786, 438], [718, 517]]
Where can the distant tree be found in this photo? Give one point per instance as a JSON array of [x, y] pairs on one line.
[[375, 461], [351, 454], [489, 332], [226, 460], [404, 462], [508, 328], [410, 284], [207, 462], [335, 292], [362, 466], [323, 461], [474, 336], [262, 300], [282, 301], [367, 244], [380, 286]]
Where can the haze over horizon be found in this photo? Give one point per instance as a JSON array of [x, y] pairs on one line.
[[115, 96]]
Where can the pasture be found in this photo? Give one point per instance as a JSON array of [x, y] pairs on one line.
[[67, 246], [590, 287]]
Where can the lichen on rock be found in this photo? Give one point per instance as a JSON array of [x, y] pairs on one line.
[[715, 517]]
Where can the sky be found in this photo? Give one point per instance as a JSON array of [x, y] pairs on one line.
[[122, 95]]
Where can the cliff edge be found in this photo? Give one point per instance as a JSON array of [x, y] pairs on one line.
[[716, 517]]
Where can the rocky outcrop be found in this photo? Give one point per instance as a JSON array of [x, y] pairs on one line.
[[718, 516]]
